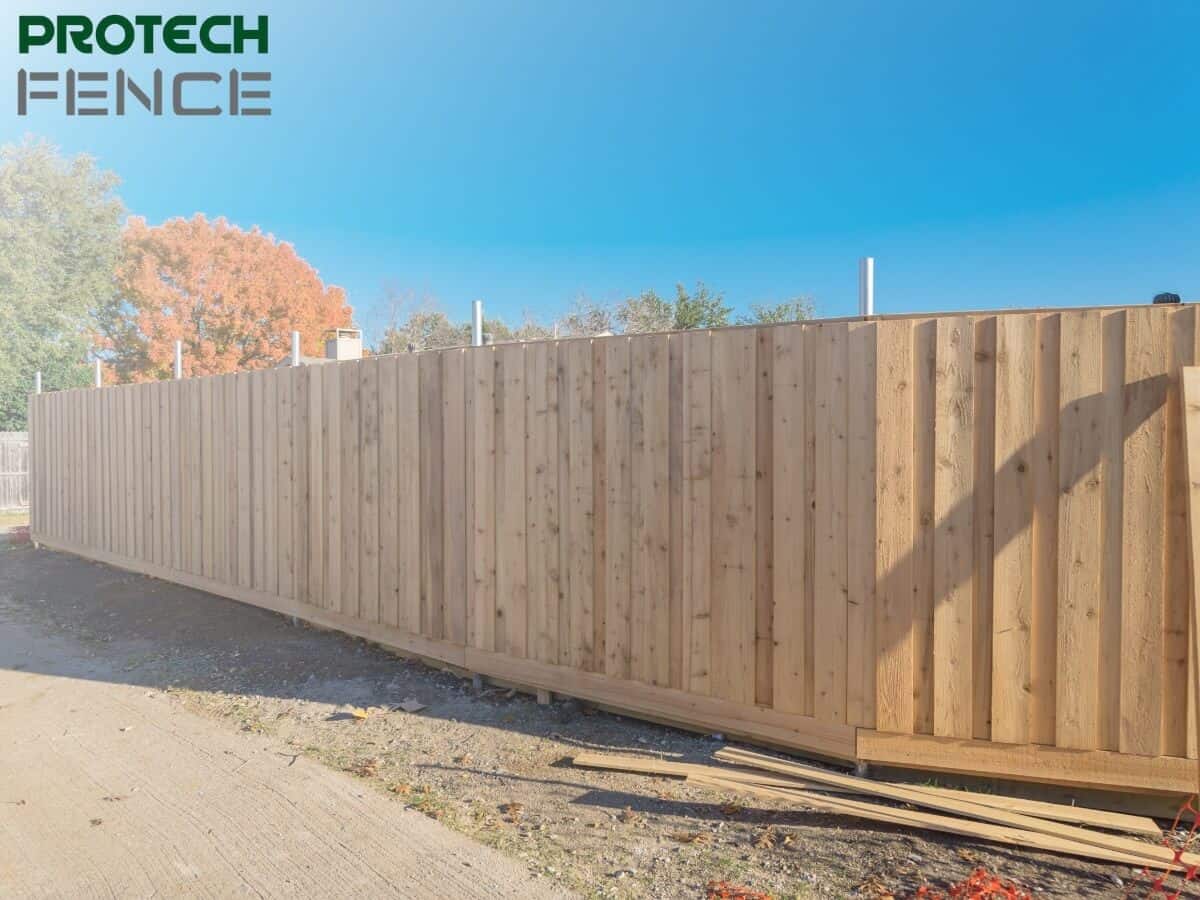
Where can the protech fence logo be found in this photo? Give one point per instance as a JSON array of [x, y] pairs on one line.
[[230, 92]]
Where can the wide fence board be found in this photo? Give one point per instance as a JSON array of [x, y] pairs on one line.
[[967, 528]]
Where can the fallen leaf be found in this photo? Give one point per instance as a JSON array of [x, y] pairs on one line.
[[966, 855], [765, 839], [401, 787], [463, 760], [691, 837], [512, 811], [729, 810], [875, 888], [359, 713], [97, 821]]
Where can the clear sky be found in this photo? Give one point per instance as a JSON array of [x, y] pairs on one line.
[[987, 154]]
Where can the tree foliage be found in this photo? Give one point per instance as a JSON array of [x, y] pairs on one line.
[[795, 310], [60, 225], [649, 312], [232, 296]]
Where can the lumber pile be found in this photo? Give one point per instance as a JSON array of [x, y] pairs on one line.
[[1052, 827]]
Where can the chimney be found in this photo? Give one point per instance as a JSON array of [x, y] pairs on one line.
[[344, 343]]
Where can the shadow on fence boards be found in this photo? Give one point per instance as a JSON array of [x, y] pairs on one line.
[[950, 542]]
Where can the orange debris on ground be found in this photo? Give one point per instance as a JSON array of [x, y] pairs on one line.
[[981, 885], [723, 890]]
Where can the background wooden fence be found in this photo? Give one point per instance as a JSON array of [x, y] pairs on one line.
[[957, 542], [14, 470]]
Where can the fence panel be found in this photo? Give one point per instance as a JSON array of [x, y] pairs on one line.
[[14, 470], [926, 540]]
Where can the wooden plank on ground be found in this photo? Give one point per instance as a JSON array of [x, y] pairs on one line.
[[954, 516], [1147, 348], [1015, 434], [793, 643], [697, 512], [1079, 511], [929, 821], [894, 527], [947, 803]]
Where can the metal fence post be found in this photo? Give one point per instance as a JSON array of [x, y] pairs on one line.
[[37, 382], [295, 348], [99, 374], [178, 360], [477, 323], [866, 286]]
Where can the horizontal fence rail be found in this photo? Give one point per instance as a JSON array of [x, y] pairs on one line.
[[890, 536]]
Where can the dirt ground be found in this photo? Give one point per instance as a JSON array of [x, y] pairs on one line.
[[492, 765]]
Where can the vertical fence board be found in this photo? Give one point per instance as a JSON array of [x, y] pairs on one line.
[[317, 523], [894, 535], [1112, 485], [733, 493], [791, 394], [830, 656], [368, 505], [697, 511], [483, 509], [580, 504], [650, 576], [511, 584], [285, 483], [454, 494], [1147, 343], [389, 490], [924, 534], [408, 551], [860, 526], [984, 417], [1015, 433], [1081, 385], [954, 514], [618, 612], [541, 500]]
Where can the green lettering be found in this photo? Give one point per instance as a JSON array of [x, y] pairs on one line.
[[82, 25], [147, 23], [176, 34], [241, 34], [27, 38], [206, 28], [126, 28]]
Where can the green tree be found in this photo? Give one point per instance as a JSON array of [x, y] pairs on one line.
[[60, 240], [795, 310], [649, 312]]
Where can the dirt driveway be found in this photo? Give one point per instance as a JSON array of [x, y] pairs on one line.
[[244, 767]]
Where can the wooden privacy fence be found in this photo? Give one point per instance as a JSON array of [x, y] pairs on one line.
[[954, 542], [14, 470]]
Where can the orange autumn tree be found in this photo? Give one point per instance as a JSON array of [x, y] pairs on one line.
[[232, 296]]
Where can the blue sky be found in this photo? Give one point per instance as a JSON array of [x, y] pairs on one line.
[[987, 154]]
